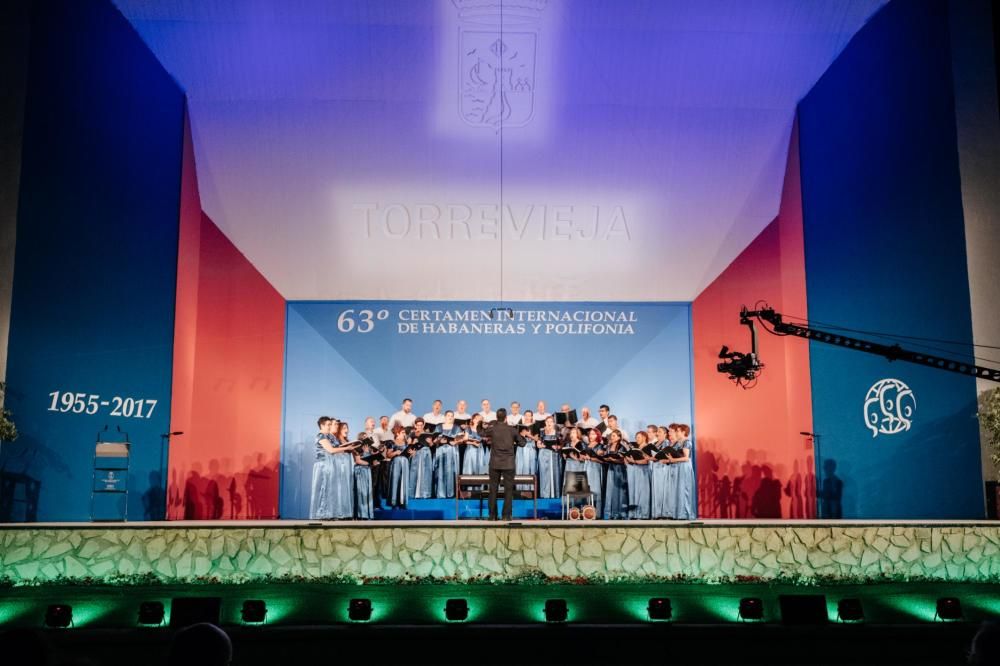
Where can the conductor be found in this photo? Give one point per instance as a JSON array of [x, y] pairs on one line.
[[502, 464]]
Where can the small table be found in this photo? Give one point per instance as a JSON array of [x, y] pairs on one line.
[[483, 482]]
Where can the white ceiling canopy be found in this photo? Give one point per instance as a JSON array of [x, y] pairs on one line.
[[582, 150]]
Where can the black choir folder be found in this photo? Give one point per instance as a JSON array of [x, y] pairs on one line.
[[566, 418]]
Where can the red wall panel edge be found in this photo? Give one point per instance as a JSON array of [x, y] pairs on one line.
[[752, 461], [228, 372]]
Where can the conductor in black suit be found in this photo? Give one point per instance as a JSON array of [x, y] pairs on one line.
[[502, 465]]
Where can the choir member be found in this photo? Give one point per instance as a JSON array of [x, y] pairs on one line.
[[434, 418], [321, 498], [586, 420], [616, 493], [638, 477], [364, 486], [399, 468], [460, 412], [421, 462], [549, 461], [686, 502], [526, 457], [514, 415], [475, 461], [342, 469], [446, 456], [663, 496], [540, 413], [405, 416], [594, 468], [604, 426], [379, 473], [384, 431], [488, 415]]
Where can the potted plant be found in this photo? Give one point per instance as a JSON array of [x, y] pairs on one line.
[[8, 431], [989, 420]]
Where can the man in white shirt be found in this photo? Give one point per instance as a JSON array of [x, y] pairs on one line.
[[540, 413], [405, 416], [514, 417], [586, 420], [434, 417], [488, 416], [460, 413], [383, 431]]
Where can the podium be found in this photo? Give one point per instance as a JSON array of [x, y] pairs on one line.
[[110, 485]]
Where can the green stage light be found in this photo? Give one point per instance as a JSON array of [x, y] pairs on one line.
[[949, 609], [59, 616], [254, 611], [456, 610], [751, 608], [150, 613], [359, 610], [556, 610], [659, 608]]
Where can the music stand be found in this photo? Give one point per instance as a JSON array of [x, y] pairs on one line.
[[575, 485]]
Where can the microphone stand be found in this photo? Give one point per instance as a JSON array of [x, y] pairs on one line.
[[164, 443]]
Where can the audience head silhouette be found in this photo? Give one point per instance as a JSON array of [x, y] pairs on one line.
[[201, 645], [985, 647]]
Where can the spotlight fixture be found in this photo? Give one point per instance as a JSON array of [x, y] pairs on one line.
[[59, 615], [555, 610], [456, 610], [659, 609], [751, 608], [360, 610], [254, 611], [150, 613], [948, 608], [850, 610]]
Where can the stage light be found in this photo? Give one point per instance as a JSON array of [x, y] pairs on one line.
[[59, 615], [360, 610], [659, 609], [751, 608], [150, 613], [555, 610], [254, 611], [850, 610], [948, 608], [456, 610]]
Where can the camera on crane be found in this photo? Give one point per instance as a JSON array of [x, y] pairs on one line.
[[739, 366]]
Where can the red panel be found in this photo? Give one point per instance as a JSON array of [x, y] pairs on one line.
[[752, 461], [228, 357]]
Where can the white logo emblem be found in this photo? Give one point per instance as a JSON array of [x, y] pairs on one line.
[[497, 64], [889, 407]]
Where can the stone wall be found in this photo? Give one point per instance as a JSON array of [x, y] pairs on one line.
[[706, 553]]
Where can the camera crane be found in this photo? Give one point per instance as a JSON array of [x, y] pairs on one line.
[[744, 367]]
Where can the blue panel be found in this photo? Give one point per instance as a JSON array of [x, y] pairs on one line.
[[643, 373], [95, 271], [885, 252]]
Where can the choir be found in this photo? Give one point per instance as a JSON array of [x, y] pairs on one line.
[[408, 457]]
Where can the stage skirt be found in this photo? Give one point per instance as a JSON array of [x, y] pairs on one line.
[[445, 468], [526, 462], [684, 502], [549, 473], [364, 506], [616, 493], [399, 481], [638, 491], [475, 460], [422, 474], [595, 477], [662, 491]]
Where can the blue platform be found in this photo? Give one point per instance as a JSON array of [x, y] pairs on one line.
[[444, 509]]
